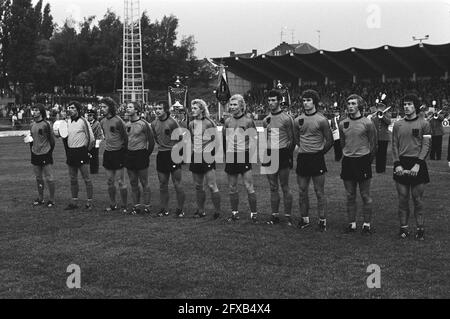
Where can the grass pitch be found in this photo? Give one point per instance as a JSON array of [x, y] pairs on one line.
[[145, 257]]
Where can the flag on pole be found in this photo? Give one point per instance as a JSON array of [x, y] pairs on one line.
[[223, 91]]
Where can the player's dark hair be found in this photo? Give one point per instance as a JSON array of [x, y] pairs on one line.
[[41, 109], [136, 106], [77, 105], [411, 97], [165, 105], [312, 94], [275, 93], [112, 105], [93, 112], [361, 103]]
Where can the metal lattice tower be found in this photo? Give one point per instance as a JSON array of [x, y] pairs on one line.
[[133, 76]]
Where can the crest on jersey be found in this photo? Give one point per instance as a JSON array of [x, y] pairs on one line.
[[415, 132], [112, 129], [40, 132], [167, 131], [346, 124], [301, 121]]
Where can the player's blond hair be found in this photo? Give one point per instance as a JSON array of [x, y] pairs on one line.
[[202, 105], [241, 101]]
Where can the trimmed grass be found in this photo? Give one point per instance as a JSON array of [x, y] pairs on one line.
[[145, 257]]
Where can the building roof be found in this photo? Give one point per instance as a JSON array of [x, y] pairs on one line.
[[424, 60], [300, 48], [304, 48]]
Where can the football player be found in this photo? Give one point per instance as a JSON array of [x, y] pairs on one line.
[[203, 133], [281, 143], [359, 145], [140, 146], [42, 154], [80, 141], [314, 137], [411, 138], [116, 140], [163, 127], [239, 132]]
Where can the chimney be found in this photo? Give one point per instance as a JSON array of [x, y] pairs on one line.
[[232, 53]]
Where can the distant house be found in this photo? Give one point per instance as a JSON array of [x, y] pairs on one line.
[[286, 48]]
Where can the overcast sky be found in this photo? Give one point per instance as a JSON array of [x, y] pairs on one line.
[[220, 26]]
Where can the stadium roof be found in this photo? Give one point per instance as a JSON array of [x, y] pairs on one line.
[[421, 59]]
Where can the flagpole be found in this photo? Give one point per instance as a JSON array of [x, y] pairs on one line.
[[219, 113], [220, 77]]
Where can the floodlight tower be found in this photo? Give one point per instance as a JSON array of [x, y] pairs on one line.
[[421, 39], [133, 75]]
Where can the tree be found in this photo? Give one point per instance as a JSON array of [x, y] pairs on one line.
[[38, 16], [34, 50], [204, 73], [167, 34], [88, 40], [45, 68], [91, 57], [5, 16], [23, 43], [108, 52], [47, 26], [65, 47], [187, 47], [186, 63], [162, 58]]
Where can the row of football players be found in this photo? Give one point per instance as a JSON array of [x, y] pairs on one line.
[[129, 145], [382, 120]]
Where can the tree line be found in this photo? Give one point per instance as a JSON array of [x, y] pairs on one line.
[[37, 55]]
